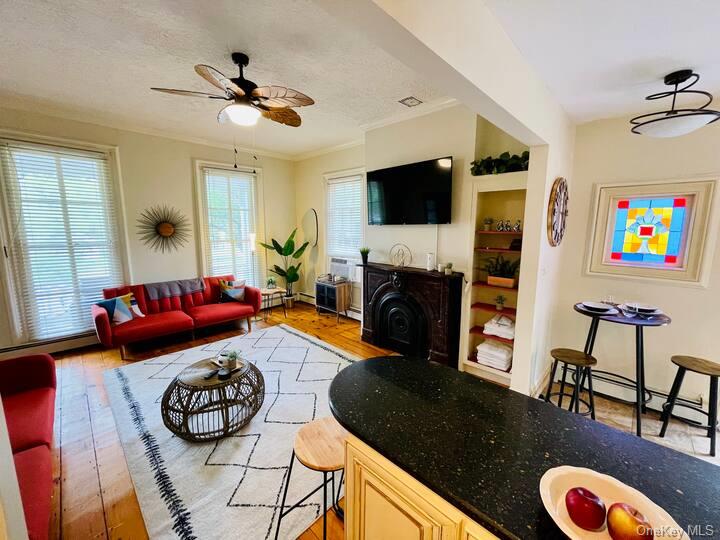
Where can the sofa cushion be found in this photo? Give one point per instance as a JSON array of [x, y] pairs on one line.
[[34, 473], [152, 325], [29, 417], [217, 313]]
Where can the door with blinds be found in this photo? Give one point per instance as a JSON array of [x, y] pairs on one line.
[[229, 210], [61, 237]]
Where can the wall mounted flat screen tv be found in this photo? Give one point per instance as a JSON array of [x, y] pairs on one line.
[[415, 194]]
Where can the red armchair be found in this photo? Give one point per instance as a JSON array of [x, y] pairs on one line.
[[27, 388]]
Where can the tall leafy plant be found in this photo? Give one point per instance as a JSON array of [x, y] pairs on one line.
[[289, 272]]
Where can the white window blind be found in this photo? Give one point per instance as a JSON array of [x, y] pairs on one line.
[[62, 232], [344, 217], [230, 224]]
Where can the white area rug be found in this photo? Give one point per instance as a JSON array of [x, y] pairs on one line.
[[230, 488]]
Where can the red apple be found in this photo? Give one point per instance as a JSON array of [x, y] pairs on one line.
[[626, 523], [585, 508]]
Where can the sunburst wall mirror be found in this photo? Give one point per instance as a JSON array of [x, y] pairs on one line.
[[163, 228]]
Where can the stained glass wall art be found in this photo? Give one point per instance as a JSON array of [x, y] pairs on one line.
[[649, 231]]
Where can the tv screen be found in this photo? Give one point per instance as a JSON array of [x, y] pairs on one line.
[[414, 194]]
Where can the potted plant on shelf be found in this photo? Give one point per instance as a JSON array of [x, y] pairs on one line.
[[289, 272], [504, 163], [501, 272], [500, 302], [487, 223], [364, 252]]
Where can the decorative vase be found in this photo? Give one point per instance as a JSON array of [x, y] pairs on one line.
[[430, 263], [364, 257], [508, 283], [289, 302]]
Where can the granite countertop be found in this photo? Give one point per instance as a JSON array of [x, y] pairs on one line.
[[484, 448]]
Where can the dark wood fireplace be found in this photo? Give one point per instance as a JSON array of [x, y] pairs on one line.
[[412, 311]]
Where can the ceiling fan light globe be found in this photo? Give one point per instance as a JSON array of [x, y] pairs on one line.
[[242, 115], [675, 125]]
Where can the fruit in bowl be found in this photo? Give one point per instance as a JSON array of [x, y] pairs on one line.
[[585, 508], [626, 523]]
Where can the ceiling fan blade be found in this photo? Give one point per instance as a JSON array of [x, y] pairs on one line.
[[188, 93], [214, 77], [284, 116], [279, 96]]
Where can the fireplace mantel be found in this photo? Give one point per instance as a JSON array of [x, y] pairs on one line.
[[413, 311]]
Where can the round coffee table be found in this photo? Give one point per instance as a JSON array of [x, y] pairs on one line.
[[198, 409]]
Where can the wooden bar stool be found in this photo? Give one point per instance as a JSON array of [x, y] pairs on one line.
[[703, 367], [320, 446], [582, 364]]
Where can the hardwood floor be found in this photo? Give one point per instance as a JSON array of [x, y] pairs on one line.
[[93, 493]]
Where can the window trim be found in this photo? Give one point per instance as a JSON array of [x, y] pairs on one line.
[[6, 279], [328, 178], [201, 217]]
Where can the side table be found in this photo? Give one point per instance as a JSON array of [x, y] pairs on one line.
[[268, 295]]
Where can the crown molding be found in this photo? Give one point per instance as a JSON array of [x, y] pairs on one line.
[[328, 150], [133, 128], [414, 112]]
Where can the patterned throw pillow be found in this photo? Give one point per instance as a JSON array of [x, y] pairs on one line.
[[234, 290], [122, 309]]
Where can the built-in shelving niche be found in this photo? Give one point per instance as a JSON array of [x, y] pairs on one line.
[[499, 196]]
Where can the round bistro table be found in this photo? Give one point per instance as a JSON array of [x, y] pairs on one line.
[[198, 409], [639, 323]]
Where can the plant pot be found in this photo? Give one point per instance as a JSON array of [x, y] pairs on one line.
[[364, 258], [289, 302], [486, 226], [499, 307], [508, 283]]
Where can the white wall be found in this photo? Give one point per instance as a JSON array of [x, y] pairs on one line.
[[157, 170], [10, 503], [449, 132], [309, 184], [606, 151]]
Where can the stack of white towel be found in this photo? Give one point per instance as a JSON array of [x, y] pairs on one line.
[[500, 326], [494, 354]]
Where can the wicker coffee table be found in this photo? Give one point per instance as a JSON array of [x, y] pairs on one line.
[[199, 410]]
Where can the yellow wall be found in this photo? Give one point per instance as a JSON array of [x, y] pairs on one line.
[[606, 151], [157, 170]]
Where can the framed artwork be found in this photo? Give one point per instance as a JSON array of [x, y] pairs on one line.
[[651, 230]]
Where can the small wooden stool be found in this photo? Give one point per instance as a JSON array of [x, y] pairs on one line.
[[320, 446], [583, 369], [703, 367]]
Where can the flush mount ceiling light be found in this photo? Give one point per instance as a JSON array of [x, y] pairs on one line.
[[676, 121]]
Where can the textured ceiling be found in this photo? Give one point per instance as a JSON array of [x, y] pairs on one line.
[[96, 60], [601, 58]]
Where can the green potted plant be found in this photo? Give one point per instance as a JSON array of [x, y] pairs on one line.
[[289, 272], [500, 302], [364, 252], [271, 282], [504, 163], [501, 272], [487, 223]]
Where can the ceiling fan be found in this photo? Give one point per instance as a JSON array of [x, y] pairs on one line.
[[249, 101]]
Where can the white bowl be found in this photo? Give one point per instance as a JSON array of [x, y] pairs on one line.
[[597, 306], [556, 482]]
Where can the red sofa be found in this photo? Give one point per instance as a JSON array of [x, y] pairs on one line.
[[172, 315], [27, 387]]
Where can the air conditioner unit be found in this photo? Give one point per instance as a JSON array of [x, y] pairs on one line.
[[342, 267]]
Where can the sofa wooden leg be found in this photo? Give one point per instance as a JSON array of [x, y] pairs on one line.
[[123, 352], [249, 324]]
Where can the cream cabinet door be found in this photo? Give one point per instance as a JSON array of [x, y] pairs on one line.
[[382, 505], [473, 531]]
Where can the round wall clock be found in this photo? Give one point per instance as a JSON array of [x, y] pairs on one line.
[[557, 211]]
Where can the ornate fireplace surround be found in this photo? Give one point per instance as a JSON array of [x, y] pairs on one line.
[[412, 311]]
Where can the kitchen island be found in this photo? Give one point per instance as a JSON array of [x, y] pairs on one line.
[[426, 437]]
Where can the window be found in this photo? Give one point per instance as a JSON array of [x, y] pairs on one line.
[[62, 236], [652, 230], [344, 216], [230, 220]]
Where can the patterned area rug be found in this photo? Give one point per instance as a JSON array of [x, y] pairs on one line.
[[230, 488]]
